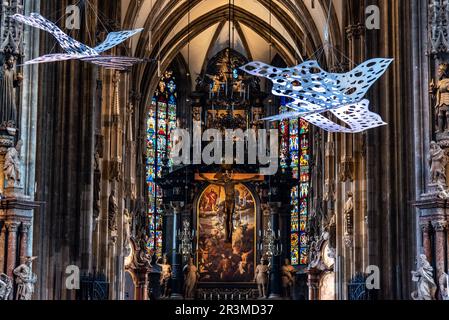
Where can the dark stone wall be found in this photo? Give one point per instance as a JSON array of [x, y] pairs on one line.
[[65, 156]]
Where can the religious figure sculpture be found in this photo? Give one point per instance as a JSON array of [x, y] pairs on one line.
[[288, 280], [127, 231], [440, 93], [438, 161], [444, 286], [424, 277], [9, 80], [349, 219], [261, 278], [166, 275], [225, 180], [5, 287], [112, 214], [12, 165], [25, 279], [191, 277], [97, 189]]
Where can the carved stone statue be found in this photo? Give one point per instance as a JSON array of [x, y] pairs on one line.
[[438, 161], [329, 190], [112, 214], [287, 277], [440, 93], [424, 277], [166, 275], [191, 277], [9, 80], [444, 286], [25, 280], [127, 221], [5, 287], [97, 190], [12, 165], [261, 278], [349, 219]]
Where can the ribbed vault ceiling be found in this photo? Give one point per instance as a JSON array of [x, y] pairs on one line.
[[294, 27]]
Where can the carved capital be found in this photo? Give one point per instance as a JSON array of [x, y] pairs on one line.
[[12, 226], [439, 226], [25, 227], [425, 226]]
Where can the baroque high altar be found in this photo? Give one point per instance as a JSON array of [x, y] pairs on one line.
[[93, 206]]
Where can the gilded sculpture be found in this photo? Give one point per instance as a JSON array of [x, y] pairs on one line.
[[440, 93], [166, 275], [288, 273], [261, 278], [191, 277]]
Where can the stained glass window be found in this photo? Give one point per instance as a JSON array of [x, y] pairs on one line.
[[161, 122], [295, 144]]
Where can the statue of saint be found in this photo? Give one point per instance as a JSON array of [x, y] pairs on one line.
[[12, 165], [261, 278], [440, 93], [112, 214], [225, 180], [444, 286], [438, 161], [5, 287], [191, 277], [288, 280], [424, 277], [127, 219], [166, 275], [349, 214], [25, 279], [9, 80]]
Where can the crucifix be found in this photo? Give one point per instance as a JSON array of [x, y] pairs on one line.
[[228, 182]]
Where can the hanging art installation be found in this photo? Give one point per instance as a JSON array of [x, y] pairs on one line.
[[78, 51], [315, 91]]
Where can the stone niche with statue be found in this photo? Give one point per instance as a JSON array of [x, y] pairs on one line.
[[16, 209], [433, 205]]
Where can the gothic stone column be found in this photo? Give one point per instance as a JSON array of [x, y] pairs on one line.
[[24, 230], [440, 239], [2, 246], [427, 244], [11, 257], [142, 285], [313, 281], [177, 278]]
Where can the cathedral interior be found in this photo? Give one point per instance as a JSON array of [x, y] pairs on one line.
[[94, 204]]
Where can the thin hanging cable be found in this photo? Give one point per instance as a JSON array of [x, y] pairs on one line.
[[271, 29], [188, 36]]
